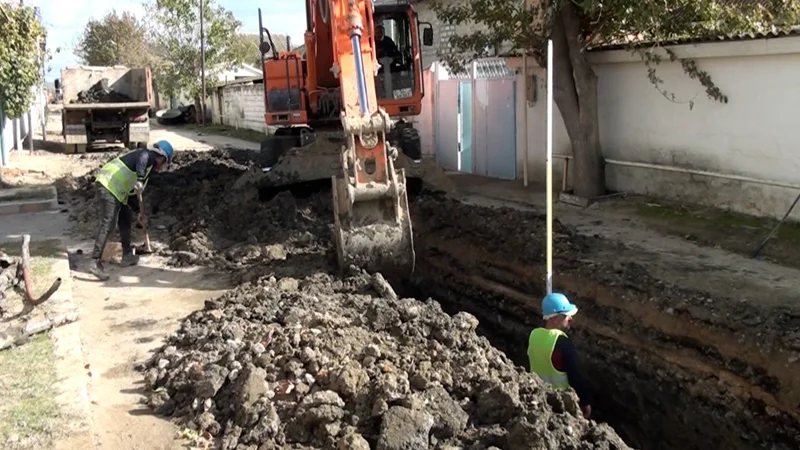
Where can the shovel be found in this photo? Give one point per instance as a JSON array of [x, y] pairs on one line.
[[147, 248]]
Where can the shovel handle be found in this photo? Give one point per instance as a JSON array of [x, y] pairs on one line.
[[146, 233]]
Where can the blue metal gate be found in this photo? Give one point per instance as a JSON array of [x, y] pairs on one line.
[[476, 121]]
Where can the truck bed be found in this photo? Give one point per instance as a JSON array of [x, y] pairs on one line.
[[85, 106]]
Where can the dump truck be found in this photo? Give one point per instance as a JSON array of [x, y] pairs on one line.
[[105, 105]]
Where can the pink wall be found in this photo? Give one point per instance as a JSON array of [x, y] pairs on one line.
[[425, 120]]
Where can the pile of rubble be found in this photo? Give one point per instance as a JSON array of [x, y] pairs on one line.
[[201, 220], [323, 362], [101, 92]]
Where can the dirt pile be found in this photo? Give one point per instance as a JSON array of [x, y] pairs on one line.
[[194, 211], [323, 362]]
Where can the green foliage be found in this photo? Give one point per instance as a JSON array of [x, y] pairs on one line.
[[116, 39], [640, 26], [175, 30], [253, 41], [20, 57]]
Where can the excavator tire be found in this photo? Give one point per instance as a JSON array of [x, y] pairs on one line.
[[275, 146], [405, 137], [272, 148]]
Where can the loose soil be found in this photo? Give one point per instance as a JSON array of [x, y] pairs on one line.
[[299, 358]]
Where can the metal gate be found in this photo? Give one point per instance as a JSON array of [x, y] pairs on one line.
[[476, 129]]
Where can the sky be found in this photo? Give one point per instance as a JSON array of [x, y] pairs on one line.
[[65, 23]]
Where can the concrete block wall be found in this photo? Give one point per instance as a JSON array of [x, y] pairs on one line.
[[240, 106]]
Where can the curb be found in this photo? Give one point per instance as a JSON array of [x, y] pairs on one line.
[[73, 389], [29, 206]]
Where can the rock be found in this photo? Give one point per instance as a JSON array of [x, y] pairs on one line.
[[186, 257], [213, 378], [449, 418], [349, 379], [352, 441], [251, 385], [404, 429], [288, 284], [275, 252]]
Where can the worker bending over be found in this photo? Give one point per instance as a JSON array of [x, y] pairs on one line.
[[551, 353], [119, 183]]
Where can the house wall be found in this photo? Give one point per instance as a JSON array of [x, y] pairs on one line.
[[240, 106], [753, 137], [441, 32]]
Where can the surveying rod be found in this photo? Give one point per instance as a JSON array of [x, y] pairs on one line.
[[549, 166]]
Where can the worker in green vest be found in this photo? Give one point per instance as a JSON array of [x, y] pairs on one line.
[[119, 182], [551, 353]]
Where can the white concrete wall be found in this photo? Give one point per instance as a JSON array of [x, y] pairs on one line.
[[7, 127], [240, 106], [755, 135]]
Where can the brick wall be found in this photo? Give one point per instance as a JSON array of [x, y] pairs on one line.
[[240, 106]]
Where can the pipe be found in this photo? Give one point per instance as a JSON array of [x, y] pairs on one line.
[[525, 120], [775, 229], [549, 166], [30, 130], [615, 162], [360, 76], [3, 155]]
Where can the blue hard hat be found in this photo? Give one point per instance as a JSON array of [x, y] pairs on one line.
[[165, 149], [555, 304]]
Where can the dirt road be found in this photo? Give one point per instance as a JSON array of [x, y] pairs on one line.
[[122, 322]]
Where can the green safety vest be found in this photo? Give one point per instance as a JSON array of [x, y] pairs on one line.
[[119, 179], [541, 343]]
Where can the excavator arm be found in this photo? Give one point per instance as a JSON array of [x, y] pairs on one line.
[[372, 225]]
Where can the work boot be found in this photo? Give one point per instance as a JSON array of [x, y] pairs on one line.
[[96, 269], [129, 259]]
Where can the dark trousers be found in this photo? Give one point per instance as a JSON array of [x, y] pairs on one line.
[[112, 213]]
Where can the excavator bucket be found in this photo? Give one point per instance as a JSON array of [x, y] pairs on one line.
[[372, 224]]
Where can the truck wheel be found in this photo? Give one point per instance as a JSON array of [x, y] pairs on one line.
[[405, 137]]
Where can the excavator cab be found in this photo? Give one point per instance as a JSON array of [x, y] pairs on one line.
[[336, 109]]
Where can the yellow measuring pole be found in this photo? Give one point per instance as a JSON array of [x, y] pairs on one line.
[[550, 166]]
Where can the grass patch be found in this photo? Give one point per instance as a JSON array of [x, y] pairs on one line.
[[29, 412], [225, 130], [718, 221], [43, 255], [47, 248], [734, 232]]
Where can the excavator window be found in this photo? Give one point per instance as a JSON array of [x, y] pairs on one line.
[[395, 50]]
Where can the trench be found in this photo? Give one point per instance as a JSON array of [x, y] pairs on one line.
[[652, 379], [662, 380]]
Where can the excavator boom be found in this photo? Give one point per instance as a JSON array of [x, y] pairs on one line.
[[330, 106], [371, 217]]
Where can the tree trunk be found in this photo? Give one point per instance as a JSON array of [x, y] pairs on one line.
[[575, 93]]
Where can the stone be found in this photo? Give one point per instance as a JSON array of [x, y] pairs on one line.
[[404, 429]]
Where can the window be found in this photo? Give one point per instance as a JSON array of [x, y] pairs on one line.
[[395, 51]]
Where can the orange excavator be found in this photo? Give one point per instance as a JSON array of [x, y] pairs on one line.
[[338, 111]]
